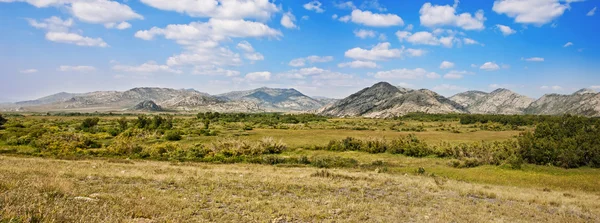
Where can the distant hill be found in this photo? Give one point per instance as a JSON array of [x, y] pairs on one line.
[[583, 102], [275, 99], [500, 101], [386, 100], [147, 105]]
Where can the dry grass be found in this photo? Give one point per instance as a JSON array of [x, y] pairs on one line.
[[142, 191]]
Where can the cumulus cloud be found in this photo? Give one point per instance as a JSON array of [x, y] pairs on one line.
[[368, 18], [568, 44], [445, 15], [345, 5], [533, 59], [314, 6], [148, 67], [249, 52], [489, 66], [300, 62], [506, 30], [214, 30], [220, 9], [28, 71], [448, 88], [58, 30], [259, 76], [91, 11], [446, 65], [363, 34], [74, 38], [418, 73], [381, 51], [537, 12], [66, 68], [287, 20], [469, 41], [426, 38], [358, 64]]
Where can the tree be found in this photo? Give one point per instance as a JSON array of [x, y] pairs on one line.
[[2, 121], [208, 117]]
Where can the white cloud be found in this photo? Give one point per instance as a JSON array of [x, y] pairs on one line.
[[568, 44], [382, 37], [287, 20], [102, 11], [249, 52], [489, 66], [538, 12], [409, 27], [214, 30], [363, 34], [455, 74], [359, 64], [591, 12], [446, 65], [220, 9], [418, 73], [213, 70], [426, 38], [554, 88], [469, 41], [148, 67], [73, 38], [373, 4], [533, 59], [381, 51], [66, 68], [300, 62], [368, 18], [595, 87], [448, 87], [506, 30], [345, 5], [58, 31], [334, 16], [53, 23], [28, 71], [120, 26], [314, 6], [474, 65], [205, 55], [445, 15], [259, 76], [305, 17], [91, 11]]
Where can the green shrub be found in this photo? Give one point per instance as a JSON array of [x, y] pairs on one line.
[[173, 135]]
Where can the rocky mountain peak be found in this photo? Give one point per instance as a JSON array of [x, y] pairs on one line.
[[585, 91]]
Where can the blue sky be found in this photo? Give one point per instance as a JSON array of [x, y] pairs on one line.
[[322, 48]]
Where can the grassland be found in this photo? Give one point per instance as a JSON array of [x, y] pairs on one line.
[[380, 187]]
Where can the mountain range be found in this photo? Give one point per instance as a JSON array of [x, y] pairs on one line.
[[378, 101]]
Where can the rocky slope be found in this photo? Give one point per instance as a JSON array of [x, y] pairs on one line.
[[583, 102], [384, 100], [147, 105], [275, 99], [468, 98], [500, 101], [59, 97]]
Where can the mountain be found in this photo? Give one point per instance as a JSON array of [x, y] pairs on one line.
[[583, 102], [147, 105], [275, 99], [468, 98], [59, 97], [384, 100], [500, 101]]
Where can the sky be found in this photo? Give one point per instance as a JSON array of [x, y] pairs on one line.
[[322, 48]]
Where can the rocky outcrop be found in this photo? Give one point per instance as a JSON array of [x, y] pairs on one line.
[[274, 99], [147, 105], [500, 101], [384, 100], [583, 102], [468, 98]]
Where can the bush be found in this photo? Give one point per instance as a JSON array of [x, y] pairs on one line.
[[2, 121], [173, 135]]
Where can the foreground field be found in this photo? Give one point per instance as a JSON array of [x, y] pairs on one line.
[[33, 189]]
